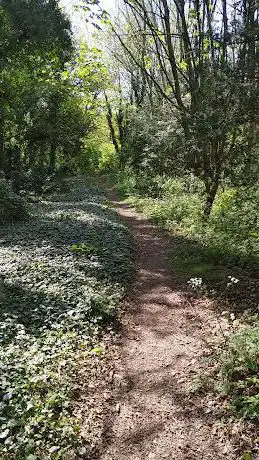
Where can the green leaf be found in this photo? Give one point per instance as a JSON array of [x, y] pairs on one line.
[[183, 65], [247, 456], [97, 350], [4, 433]]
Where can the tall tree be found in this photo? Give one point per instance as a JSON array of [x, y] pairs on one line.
[[201, 58], [31, 32]]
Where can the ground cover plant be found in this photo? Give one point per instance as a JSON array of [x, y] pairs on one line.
[[238, 371], [12, 206], [63, 273]]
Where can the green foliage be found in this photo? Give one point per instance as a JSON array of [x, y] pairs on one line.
[[50, 94], [57, 294], [211, 249], [239, 367], [236, 214], [12, 206], [174, 211], [28, 22], [108, 159], [153, 141], [84, 248], [99, 153]]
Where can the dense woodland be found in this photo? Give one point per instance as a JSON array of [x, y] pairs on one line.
[[163, 104], [181, 98], [192, 78]]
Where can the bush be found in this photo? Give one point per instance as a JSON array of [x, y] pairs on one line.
[[178, 186], [168, 213], [108, 159], [236, 215], [12, 206]]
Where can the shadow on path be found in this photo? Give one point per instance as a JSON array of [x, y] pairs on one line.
[[163, 336]]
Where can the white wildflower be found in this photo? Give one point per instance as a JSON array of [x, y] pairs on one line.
[[195, 283]]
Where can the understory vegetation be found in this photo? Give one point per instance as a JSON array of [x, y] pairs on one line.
[[12, 206], [63, 273], [238, 370], [229, 237]]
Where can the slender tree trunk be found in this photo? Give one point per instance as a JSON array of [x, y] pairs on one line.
[[111, 127], [211, 188], [2, 152], [225, 32], [121, 128], [52, 157]]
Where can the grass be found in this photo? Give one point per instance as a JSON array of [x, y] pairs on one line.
[[63, 274]]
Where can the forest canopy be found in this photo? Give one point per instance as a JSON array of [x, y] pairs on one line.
[[49, 89], [178, 82]]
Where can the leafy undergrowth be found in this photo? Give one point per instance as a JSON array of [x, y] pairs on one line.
[[63, 274], [12, 207], [225, 245], [238, 375]]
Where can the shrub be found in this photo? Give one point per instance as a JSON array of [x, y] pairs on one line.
[[126, 183], [12, 206], [108, 159], [168, 213], [183, 185], [236, 215]]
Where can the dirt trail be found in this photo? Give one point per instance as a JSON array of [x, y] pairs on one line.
[[162, 338]]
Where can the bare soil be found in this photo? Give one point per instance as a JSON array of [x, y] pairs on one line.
[[156, 414]]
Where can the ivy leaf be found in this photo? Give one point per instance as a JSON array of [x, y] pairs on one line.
[[4, 433], [54, 449], [97, 351], [247, 456]]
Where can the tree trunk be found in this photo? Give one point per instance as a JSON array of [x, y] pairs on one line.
[[2, 153], [52, 158], [111, 127], [211, 192], [15, 169]]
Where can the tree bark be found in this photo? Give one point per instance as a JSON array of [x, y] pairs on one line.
[[52, 158], [111, 127], [211, 188], [2, 153]]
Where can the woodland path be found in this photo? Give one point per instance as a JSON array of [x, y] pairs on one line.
[[163, 337]]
